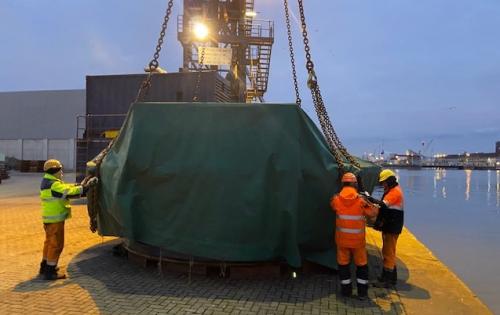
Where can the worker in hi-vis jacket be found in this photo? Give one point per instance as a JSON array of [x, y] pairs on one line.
[[55, 195], [390, 222], [351, 211]]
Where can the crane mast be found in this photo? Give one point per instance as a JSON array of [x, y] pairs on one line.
[[224, 36]]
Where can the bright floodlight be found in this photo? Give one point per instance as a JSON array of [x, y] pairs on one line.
[[250, 14], [200, 30]]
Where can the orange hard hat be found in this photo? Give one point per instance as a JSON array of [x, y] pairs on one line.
[[349, 178]]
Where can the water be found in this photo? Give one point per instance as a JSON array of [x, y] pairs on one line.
[[456, 214]]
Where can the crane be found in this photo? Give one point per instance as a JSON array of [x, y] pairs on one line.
[[224, 36]]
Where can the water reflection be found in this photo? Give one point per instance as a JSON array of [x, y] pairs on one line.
[[470, 185], [498, 189], [439, 176], [489, 182], [467, 184], [434, 194], [488, 192], [472, 237]]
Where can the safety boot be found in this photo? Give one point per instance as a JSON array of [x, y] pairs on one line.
[[346, 290], [50, 273], [345, 280], [384, 281], [43, 264], [394, 276], [362, 292], [362, 282]]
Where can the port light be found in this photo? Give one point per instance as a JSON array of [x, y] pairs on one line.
[[250, 14], [200, 31]]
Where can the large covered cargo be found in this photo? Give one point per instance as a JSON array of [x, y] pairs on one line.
[[227, 182]]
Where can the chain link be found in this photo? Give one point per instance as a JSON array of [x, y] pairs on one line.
[[93, 193], [153, 64], [298, 100], [336, 147], [198, 79]]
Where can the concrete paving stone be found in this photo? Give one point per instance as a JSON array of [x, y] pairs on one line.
[[99, 283]]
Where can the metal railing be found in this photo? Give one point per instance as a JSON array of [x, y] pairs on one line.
[[255, 29], [92, 126]]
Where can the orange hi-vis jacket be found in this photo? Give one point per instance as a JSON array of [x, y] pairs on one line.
[[394, 199], [351, 210]]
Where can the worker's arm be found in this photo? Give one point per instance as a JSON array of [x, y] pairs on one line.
[[332, 203], [377, 202], [66, 191], [370, 210], [392, 199]]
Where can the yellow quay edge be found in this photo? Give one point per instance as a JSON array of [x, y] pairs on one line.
[[425, 284]]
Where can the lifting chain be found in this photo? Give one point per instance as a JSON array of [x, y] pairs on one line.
[[93, 206], [298, 100], [332, 138], [153, 64], [93, 193], [198, 78]]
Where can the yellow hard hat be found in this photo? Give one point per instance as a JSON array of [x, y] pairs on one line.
[[51, 164], [385, 174], [349, 178]]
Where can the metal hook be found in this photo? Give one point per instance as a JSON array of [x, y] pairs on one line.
[[312, 80]]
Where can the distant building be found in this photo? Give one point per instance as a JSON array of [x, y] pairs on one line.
[[37, 125], [410, 159], [470, 160]]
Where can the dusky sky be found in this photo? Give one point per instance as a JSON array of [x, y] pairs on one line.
[[394, 73]]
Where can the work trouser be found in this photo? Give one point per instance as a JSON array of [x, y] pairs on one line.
[[54, 242], [361, 261], [389, 249], [344, 255]]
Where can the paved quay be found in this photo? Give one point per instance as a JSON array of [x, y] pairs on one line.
[[100, 283]]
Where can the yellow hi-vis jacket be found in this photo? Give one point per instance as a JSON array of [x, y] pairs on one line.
[[55, 195]]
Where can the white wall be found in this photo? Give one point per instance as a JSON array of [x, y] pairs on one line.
[[38, 125], [41, 149], [11, 148]]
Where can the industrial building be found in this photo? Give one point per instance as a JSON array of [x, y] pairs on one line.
[[37, 125], [489, 160]]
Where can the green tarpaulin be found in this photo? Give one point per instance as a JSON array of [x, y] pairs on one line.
[[231, 182]]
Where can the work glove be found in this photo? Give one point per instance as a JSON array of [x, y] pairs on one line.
[[87, 183], [375, 201], [92, 181], [364, 194]]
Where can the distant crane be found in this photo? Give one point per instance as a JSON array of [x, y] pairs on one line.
[[424, 152]]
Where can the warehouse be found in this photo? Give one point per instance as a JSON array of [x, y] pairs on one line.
[[37, 125]]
